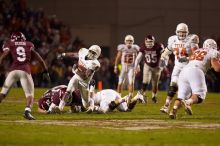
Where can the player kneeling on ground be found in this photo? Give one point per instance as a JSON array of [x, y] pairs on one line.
[[49, 101], [192, 88]]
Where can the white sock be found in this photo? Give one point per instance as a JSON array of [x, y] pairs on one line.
[[28, 109], [61, 105], [154, 94], [189, 101], [52, 106], [167, 102]]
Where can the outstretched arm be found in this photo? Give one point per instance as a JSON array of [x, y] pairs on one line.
[[216, 63], [68, 54]]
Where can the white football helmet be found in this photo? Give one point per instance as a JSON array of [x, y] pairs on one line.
[[194, 38], [210, 44], [182, 31], [94, 52], [129, 40]]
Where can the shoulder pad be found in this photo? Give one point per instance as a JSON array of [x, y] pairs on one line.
[[120, 47]]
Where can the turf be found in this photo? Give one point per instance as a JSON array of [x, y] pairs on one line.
[[145, 125]]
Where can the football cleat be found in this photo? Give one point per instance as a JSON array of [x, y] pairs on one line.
[[154, 99], [128, 99], [164, 109], [141, 98], [187, 107], [172, 114], [27, 115]]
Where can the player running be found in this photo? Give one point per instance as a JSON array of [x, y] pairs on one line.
[[151, 52], [182, 46], [22, 52], [192, 88]]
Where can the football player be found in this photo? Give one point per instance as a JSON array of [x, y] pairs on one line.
[[192, 88], [126, 53], [107, 100], [22, 52], [49, 101], [182, 46], [83, 73], [151, 52]]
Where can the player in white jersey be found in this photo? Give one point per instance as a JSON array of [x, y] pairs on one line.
[[87, 66], [126, 53], [107, 100], [192, 88], [182, 46]]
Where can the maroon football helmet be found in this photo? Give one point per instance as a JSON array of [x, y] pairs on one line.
[[17, 36], [149, 41]]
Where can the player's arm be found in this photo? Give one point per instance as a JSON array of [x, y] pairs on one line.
[[40, 59], [4, 55], [137, 61], [164, 57], [68, 54], [216, 63], [41, 110], [37, 56], [117, 59]]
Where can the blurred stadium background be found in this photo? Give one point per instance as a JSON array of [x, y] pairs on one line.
[[56, 26]]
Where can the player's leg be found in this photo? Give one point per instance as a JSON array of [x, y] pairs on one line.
[[172, 89], [198, 87], [183, 92], [9, 81], [123, 107], [28, 87], [147, 74], [155, 80], [121, 79], [131, 78], [72, 86]]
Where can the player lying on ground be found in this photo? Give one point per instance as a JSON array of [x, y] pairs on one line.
[[107, 100], [50, 100], [192, 88]]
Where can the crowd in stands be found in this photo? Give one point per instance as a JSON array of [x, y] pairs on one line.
[[52, 37]]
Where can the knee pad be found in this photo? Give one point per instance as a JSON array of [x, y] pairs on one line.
[[172, 90]]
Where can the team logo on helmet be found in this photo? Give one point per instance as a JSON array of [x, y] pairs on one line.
[[17, 36]]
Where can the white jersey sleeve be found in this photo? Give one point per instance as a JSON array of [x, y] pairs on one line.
[[83, 52], [120, 47], [171, 41]]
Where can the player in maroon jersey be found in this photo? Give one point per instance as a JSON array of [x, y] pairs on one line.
[[22, 52], [49, 101], [151, 52]]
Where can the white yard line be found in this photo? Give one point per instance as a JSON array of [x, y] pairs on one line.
[[121, 124]]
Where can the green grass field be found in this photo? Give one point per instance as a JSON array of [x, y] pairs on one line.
[[145, 125]]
